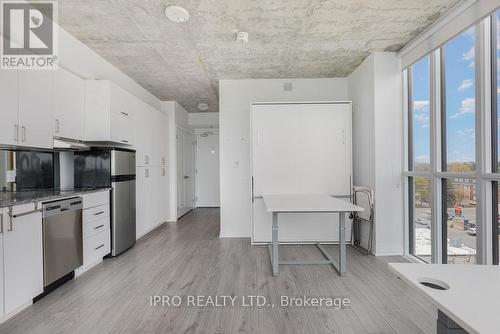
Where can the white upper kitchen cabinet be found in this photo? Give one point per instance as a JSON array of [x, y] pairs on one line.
[[9, 116], [109, 113], [144, 123], [23, 256], [36, 90], [69, 113]]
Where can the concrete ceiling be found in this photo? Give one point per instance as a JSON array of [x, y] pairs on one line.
[[288, 39]]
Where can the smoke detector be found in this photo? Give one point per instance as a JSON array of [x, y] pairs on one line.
[[203, 106], [242, 37], [176, 14]]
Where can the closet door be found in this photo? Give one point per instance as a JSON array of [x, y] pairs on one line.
[[300, 149]]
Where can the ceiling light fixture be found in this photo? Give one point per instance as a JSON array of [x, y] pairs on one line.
[[176, 14], [242, 37], [203, 106]]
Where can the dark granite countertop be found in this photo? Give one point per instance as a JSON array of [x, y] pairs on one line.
[[31, 196]]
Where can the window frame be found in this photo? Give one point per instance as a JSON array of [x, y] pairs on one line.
[[486, 175]]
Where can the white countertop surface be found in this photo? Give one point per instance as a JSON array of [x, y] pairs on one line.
[[307, 203], [473, 299]]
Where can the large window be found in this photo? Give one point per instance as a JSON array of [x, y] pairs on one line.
[[459, 103], [453, 176], [460, 218], [420, 116], [420, 201]]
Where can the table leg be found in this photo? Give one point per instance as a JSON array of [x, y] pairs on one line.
[[275, 260], [342, 246]]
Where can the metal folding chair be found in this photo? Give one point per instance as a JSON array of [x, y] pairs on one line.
[[363, 197]]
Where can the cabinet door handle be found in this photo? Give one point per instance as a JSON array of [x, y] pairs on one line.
[[98, 213], [101, 246], [16, 132], [1, 223], [163, 171], [57, 126], [146, 160], [98, 227], [124, 113], [23, 132], [124, 141], [147, 172]]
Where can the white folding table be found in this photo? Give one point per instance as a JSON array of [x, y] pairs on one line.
[[308, 204]]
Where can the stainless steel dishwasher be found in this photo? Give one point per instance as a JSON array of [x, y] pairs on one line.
[[62, 238]]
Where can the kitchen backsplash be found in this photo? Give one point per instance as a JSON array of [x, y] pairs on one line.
[[33, 170]]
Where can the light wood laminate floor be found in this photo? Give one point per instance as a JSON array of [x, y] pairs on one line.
[[188, 258]]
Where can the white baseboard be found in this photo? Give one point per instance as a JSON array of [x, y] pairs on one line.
[[149, 230], [388, 251], [6, 317]]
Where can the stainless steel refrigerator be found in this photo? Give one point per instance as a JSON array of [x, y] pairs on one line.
[[114, 168]]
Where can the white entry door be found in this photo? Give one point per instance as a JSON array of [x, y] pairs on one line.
[[185, 172], [207, 169], [300, 149]]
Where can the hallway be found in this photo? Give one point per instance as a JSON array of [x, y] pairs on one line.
[[189, 259]]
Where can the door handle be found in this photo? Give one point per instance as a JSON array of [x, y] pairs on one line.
[[186, 177], [101, 246], [23, 133], [57, 126], [98, 213], [98, 227], [16, 132]]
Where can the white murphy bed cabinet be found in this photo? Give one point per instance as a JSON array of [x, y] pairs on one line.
[[69, 113], [109, 113], [300, 148], [27, 102], [22, 257], [152, 195]]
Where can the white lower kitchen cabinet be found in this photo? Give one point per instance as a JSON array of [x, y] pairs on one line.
[[22, 256], [96, 229], [2, 311]]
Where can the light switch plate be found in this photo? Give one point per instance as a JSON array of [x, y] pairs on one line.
[[11, 176]]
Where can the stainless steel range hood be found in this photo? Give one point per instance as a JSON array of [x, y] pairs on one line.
[[69, 145]]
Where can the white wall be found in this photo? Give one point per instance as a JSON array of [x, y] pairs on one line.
[[362, 94], [375, 89], [204, 120], [177, 117], [235, 97]]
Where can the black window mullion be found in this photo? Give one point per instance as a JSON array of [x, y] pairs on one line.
[[496, 230], [444, 219], [494, 138], [411, 215]]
